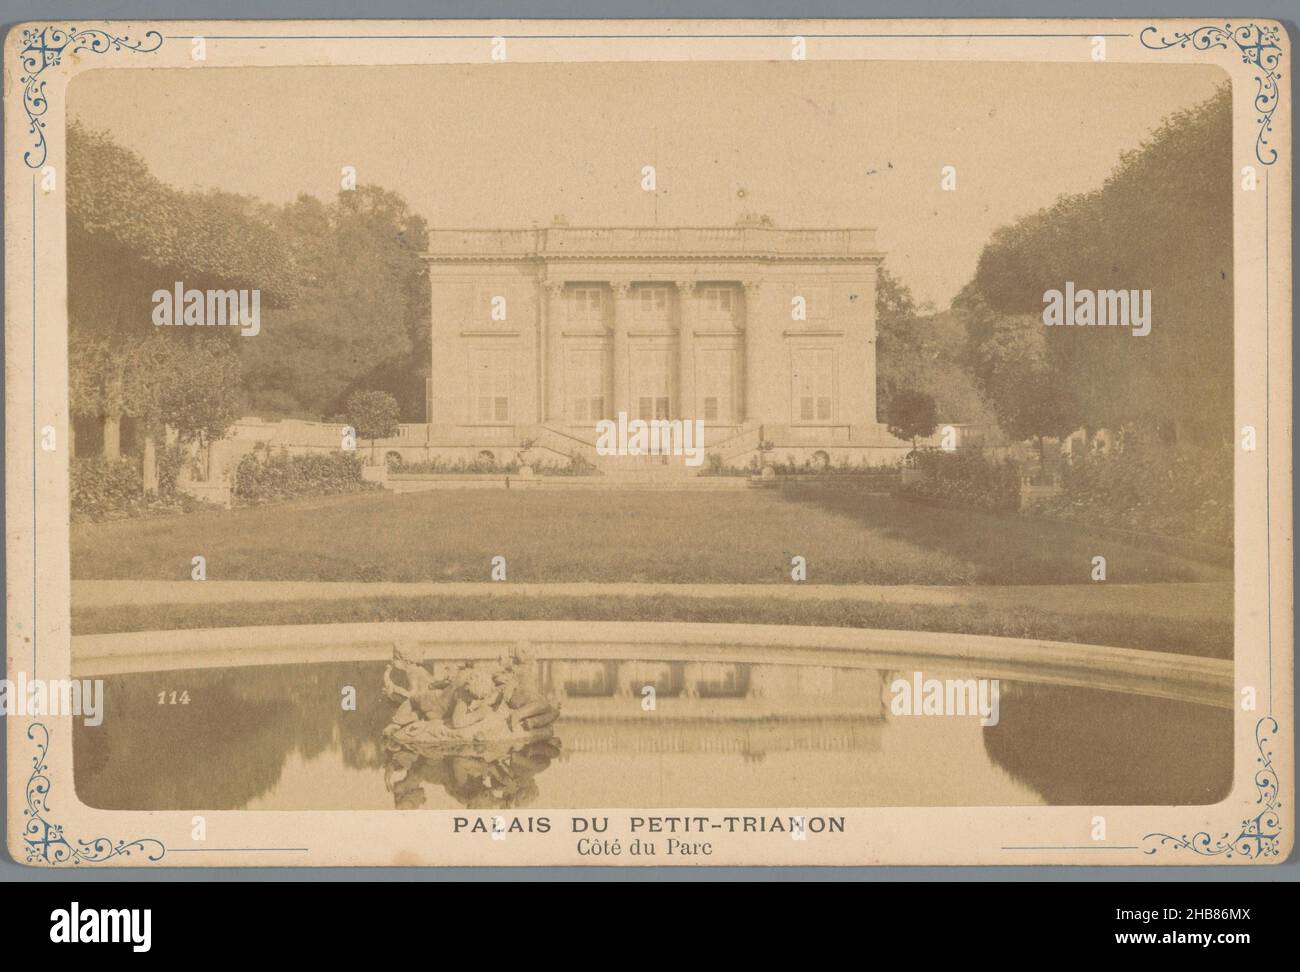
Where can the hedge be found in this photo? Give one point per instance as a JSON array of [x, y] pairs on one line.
[[578, 465], [113, 489], [263, 479], [105, 488]]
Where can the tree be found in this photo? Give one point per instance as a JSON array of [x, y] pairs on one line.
[[176, 380], [911, 415], [1162, 221], [130, 235], [1029, 397], [199, 393], [374, 415], [899, 349], [919, 349], [362, 320]]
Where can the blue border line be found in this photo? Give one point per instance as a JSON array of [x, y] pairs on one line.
[[277, 37], [1268, 484], [35, 451], [233, 850], [1071, 847]]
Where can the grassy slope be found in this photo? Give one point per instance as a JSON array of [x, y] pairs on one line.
[[605, 536]]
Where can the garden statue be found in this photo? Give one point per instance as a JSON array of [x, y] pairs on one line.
[[483, 729]]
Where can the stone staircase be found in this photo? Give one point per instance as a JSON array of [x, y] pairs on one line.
[[649, 470], [621, 470], [562, 442]]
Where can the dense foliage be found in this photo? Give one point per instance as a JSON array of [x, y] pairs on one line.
[[922, 351], [362, 320], [103, 488], [344, 299], [261, 478], [111, 489], [964, 477], [130, 235], [1161, 222], [1174, 492]]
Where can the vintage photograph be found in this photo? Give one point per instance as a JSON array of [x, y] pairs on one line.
[[764, 434]]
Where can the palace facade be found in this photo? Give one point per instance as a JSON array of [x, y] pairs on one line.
[[765, 334]]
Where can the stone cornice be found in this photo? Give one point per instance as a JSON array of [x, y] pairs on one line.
[[658, 244], [872, 258]]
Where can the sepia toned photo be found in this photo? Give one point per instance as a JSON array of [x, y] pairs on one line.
[[737, 452]]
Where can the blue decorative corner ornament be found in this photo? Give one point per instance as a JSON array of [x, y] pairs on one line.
[[46, 843], [1258, 46], [1258, 837], [43, 48]]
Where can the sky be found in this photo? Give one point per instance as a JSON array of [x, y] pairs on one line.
[[809, 144]]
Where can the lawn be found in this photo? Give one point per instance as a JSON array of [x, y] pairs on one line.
[[1206, 638], [705, 536]]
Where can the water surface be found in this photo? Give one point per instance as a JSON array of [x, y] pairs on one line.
[[721, 735]]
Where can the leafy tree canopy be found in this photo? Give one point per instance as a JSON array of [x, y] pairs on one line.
[[363, 318], [1161, 222], [373, 414], [920, 350], [130, 234], [911, 415], [344, 289]]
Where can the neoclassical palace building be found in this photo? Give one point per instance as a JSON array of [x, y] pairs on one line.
[[761, 332]]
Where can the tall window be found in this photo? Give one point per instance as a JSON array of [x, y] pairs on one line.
[[650, 383], [714, 377], [814, 384], [717, 302], [490, 385], [587, 306], [651, 303], [584, 379]]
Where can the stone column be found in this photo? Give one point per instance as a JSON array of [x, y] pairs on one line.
[[621, 365], [552, 320], [686, 318], [753, 351]]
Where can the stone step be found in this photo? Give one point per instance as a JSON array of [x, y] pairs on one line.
[[648, 474]]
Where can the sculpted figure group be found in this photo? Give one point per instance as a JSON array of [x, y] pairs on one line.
[[481, 729]]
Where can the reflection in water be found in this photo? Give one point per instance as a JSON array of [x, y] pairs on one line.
[[481, 730], [1175, 753], [476, 781], [719, 735]]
